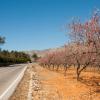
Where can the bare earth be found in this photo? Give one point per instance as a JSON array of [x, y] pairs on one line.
[[52, 85], [22, 89]]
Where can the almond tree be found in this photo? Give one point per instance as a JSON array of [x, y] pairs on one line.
[[86, 35]]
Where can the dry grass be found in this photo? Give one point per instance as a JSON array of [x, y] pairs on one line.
[[56, 86], [53, 85], [21, 91]]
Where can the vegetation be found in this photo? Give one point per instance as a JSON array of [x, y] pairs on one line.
[[84, 49], [2, 40], [35, 56], [13, 57]]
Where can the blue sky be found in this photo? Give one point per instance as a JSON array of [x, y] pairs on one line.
[[39, 24]]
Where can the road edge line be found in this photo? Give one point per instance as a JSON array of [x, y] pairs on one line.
[[9, 91]]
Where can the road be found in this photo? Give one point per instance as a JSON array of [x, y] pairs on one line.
[[8, 75], [53, 85]]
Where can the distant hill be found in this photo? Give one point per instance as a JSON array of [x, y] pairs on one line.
[[41, 53]]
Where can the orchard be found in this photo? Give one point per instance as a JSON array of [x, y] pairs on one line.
[[82, 52]]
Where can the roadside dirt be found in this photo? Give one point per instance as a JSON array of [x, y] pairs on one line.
[[42, 84], [56, 86], [21, 92]]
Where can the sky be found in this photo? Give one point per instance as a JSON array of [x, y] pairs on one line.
[[39, 24]]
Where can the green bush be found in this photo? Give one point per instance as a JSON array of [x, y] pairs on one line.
[[13, 57]]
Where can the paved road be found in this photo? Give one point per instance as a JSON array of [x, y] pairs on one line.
[[8, 75]]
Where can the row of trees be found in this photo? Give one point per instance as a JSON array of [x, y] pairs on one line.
[[12, 57], [84, 49]]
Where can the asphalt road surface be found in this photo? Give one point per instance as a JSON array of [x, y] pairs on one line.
[[8, 75]]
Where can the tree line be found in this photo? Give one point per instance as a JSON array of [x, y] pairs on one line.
[[11, 57], [83, 50]]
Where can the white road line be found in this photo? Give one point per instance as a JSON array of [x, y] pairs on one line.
[[9, 91]]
